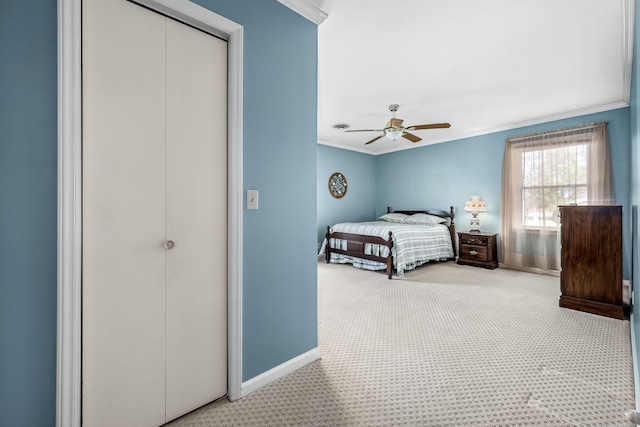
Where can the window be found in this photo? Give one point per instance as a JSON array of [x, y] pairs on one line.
[[552, 177], [541, 172]]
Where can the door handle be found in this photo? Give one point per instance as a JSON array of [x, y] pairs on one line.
[[169, 244], [474, 253]]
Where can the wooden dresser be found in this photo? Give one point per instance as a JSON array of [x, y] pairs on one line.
[[479, 249], [591, 277]]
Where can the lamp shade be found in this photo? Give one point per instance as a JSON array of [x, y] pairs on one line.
[[475, 206]]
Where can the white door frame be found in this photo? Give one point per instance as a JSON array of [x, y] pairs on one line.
[[69, 279]]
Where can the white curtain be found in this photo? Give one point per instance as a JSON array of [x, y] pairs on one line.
[[541, 172]]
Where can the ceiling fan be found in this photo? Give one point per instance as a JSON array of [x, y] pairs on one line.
[[394, 129]]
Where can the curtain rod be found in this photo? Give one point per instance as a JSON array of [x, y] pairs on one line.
[[558, 131]]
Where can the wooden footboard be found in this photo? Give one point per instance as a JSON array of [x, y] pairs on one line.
[[356, 244]]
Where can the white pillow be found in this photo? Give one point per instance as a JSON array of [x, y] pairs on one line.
[[424, 219], [394, 217]]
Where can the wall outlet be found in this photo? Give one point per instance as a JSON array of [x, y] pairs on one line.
[[252, 199], [626, 292]]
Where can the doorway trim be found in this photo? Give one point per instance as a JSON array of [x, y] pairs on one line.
[[69, 276]]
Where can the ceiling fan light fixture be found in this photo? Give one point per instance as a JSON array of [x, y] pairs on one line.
[[395, 129], [393, 134]]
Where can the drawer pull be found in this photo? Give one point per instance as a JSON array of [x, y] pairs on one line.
[[474, 253]]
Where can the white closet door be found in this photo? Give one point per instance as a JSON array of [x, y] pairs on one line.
[[124, 215], [154, 169], [196, 218]]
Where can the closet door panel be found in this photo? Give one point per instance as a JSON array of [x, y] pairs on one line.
[[196, 219], [123, 215]]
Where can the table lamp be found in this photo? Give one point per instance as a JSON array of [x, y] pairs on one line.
[[474, 206]]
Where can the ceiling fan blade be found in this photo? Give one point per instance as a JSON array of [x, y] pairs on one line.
[[411, 137], [431, 126], [364, 130], [374, 139], [395, 123]]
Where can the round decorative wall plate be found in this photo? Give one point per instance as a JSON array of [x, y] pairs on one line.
[[338, 185]]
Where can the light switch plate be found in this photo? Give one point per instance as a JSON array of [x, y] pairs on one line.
[[252, 199]]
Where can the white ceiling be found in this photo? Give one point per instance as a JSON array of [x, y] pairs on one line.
[[481, 65]]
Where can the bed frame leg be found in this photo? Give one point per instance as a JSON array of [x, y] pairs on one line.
[[390, 257], [327, 248]]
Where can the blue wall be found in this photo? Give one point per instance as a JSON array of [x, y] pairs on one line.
[[359, 202], [280, 160], [28, 147], [440, 175]]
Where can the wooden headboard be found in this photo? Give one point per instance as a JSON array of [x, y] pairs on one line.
[[442, 214]]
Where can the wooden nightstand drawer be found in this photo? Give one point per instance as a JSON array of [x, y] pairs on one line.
[[474, 252], [470, 239], [478, 249]]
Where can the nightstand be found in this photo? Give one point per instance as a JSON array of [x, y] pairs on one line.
[[478, 249]]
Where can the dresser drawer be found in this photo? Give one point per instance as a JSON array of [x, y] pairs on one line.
[[479, 253], [469, 239]]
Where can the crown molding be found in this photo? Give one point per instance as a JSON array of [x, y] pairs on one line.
[[516, 125], [306, 9]]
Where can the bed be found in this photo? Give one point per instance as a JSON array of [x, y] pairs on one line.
[[402, 241]]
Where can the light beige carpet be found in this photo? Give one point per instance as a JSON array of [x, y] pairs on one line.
[[447, 345]]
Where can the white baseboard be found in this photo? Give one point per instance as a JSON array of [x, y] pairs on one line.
[[279, 371]]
